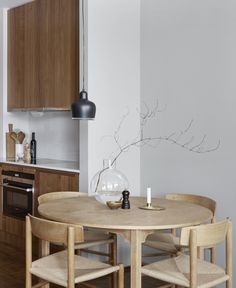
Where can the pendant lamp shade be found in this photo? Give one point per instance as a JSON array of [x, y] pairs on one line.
[[83, 109]]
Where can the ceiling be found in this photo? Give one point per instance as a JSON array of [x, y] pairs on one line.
[[12, 3]]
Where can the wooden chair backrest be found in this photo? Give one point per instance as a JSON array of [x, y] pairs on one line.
[[59, 195], [202, 201], [196, 199], [52, 231], [208, 235]]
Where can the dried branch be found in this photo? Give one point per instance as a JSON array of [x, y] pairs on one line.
[[173, 138], [178, 139]]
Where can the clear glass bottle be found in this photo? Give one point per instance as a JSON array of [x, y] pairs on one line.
[[108, 183]]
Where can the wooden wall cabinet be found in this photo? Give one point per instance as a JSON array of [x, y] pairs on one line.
[[43, 55]]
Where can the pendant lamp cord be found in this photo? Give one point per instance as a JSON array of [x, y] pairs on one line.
[[83, 39]]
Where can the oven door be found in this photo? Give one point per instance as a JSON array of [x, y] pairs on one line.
[[17, 199]]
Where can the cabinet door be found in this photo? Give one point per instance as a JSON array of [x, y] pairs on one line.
[[13, 226], [58, 52], [52, 181], [23, 86], [43, 49]]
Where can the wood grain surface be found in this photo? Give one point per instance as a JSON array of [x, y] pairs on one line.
[[133, 224], [10, 147], [43, 55], [91, 213]]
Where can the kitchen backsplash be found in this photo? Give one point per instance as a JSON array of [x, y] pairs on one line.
[[56, 133]]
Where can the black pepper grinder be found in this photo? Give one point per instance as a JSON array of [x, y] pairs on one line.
[[125, 201]]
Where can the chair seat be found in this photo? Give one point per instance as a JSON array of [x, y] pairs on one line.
[[163, 241], [176, 270], [53, 268]]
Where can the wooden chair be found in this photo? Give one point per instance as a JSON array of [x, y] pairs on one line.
[[92, 237], [168, 243], [188, 270], [63, 268]]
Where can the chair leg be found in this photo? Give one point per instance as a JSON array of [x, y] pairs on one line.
[[200, 253], [229, 283], [113, 250], [213, 255], [113, 259], [28, 280], [121, 277]]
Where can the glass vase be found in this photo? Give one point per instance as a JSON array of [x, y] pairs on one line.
[[108, 183]]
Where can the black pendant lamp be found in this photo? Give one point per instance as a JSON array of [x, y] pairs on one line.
[[83, 109]]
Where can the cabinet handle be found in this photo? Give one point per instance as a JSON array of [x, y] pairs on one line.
[[6, 185]]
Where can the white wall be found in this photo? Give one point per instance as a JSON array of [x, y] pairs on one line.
[[113, 83], [188, 63]]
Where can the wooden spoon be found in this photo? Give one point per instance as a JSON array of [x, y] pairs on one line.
[[21, 137], [13, 135]]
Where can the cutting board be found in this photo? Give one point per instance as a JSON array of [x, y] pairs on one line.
[[10, 144]]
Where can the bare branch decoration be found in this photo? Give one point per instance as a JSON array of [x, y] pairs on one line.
[[175, 138]]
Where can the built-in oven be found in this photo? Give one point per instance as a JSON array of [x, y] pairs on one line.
[[18, 188]]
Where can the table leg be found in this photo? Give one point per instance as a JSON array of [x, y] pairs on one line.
[[136, 238], [136, 256]]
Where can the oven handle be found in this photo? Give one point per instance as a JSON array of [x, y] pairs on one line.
[[6, 185]]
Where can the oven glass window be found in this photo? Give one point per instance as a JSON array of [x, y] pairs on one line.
[[17, 200]]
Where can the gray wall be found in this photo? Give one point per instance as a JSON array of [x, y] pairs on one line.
[[114, 85], [188, 64]]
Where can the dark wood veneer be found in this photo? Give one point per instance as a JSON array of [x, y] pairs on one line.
[[43, 55]]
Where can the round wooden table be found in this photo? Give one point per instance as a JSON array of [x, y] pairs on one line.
[[134, 224]]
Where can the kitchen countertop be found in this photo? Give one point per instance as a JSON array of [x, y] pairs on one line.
[[62, 165]]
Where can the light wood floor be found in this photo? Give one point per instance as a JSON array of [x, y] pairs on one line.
[[12, 272]]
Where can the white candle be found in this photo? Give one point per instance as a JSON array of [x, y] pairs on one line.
[[149, 196]]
